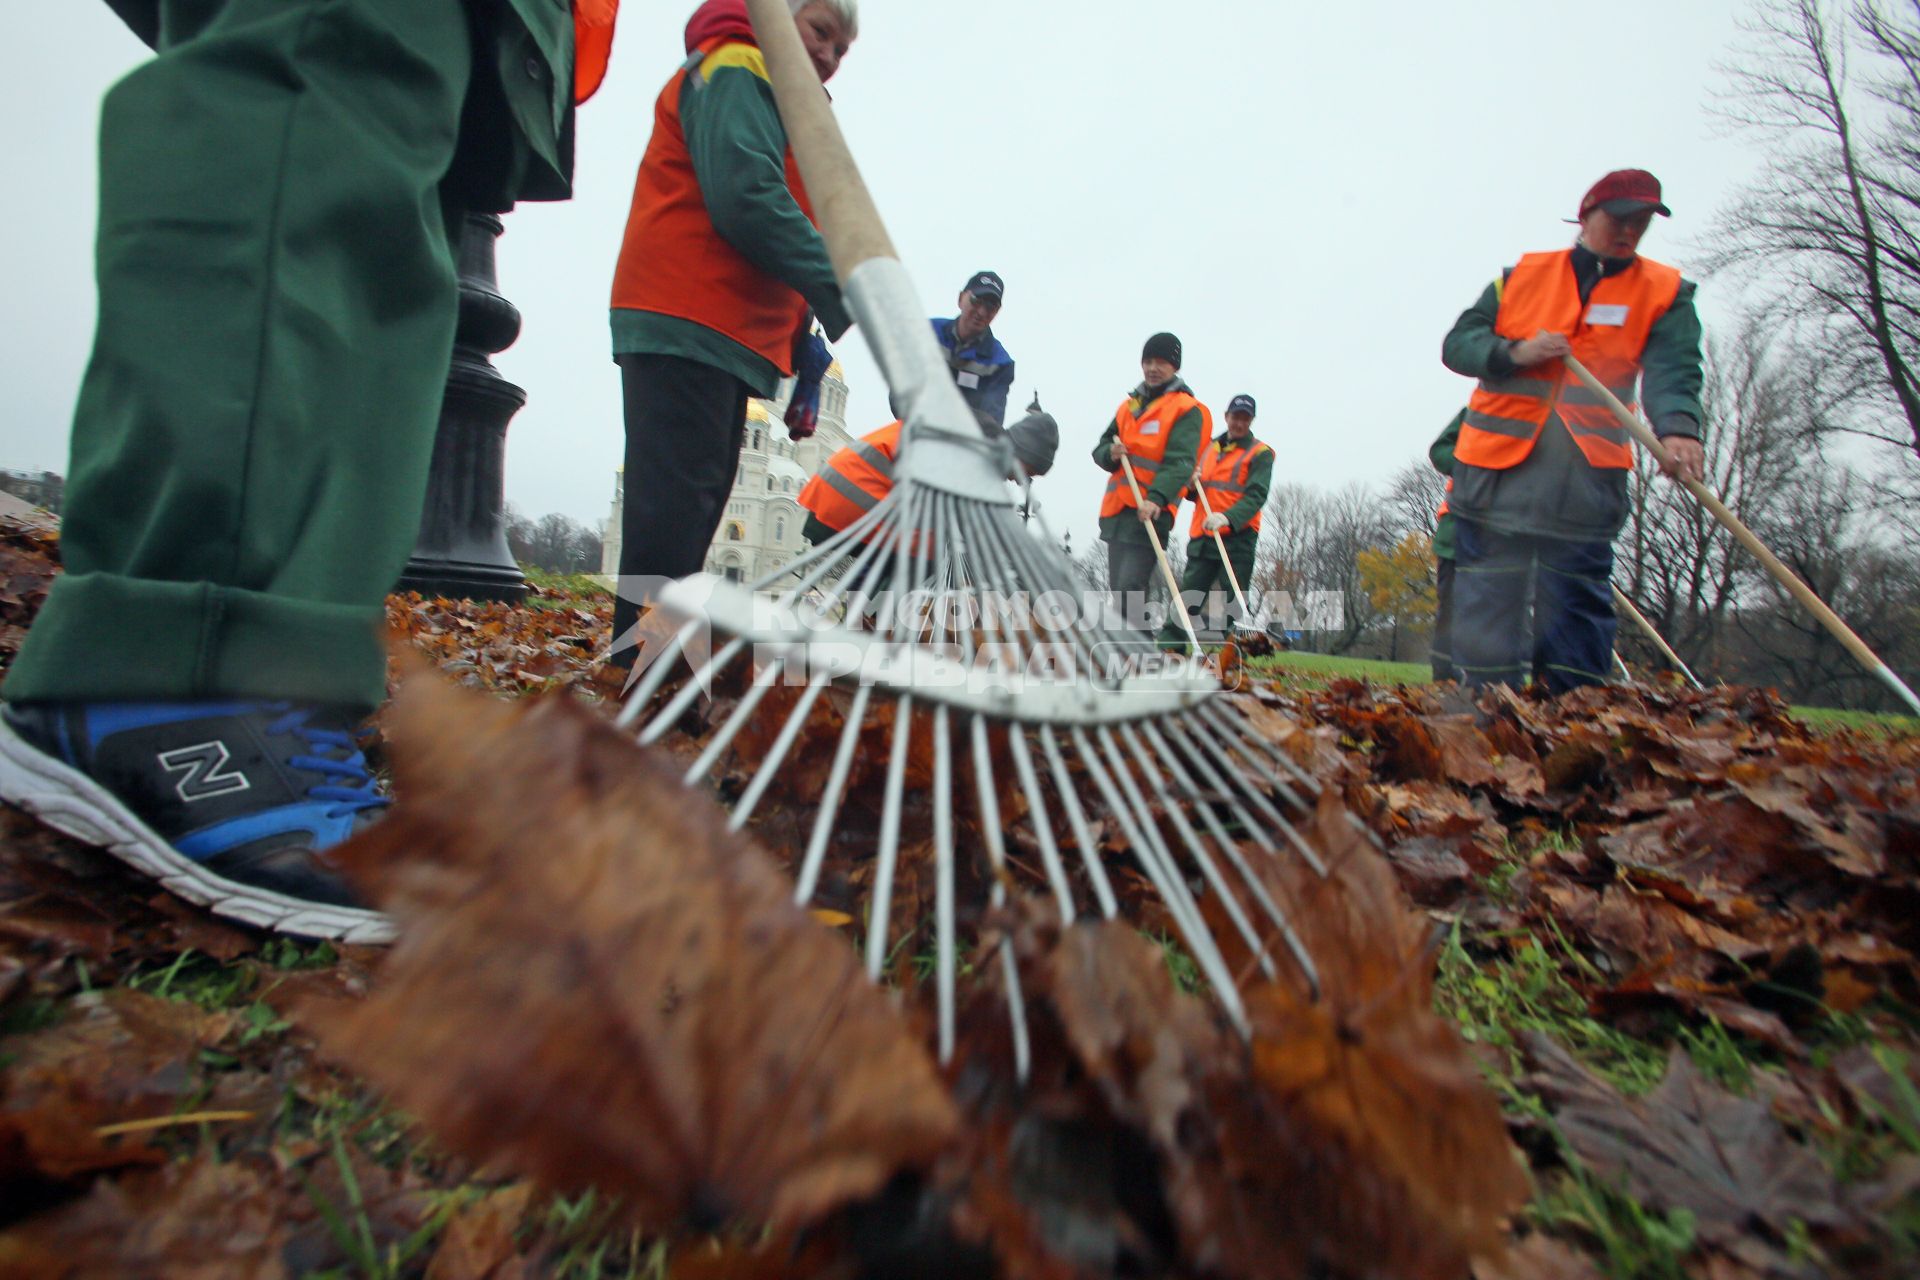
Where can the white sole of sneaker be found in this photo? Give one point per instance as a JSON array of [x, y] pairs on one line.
[[73, 804]]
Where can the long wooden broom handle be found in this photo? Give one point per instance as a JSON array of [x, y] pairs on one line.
[[842, 208], [1200, 491], [1786, 577], [1625, 601], [1160, 554]]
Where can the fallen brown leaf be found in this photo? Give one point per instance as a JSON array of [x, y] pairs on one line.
[[597, 984]]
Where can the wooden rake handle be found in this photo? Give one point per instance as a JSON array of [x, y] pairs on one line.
[[1800, 591], [1160, 554], [1200, 492], [1625, 602], [842, 207]]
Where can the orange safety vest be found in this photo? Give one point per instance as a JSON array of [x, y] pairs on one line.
[[1441, 514], [1223, 475], [1146, 441], [1505, 415], [592, 44], [672, 261], [852, 482]]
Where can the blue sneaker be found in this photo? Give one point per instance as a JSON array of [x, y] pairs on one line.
[[231, 805]]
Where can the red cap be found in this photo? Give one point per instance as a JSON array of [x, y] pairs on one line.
[[1625, 192]]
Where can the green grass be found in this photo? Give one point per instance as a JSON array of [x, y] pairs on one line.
[[575, 584], [1827, 719], [1334, 667]]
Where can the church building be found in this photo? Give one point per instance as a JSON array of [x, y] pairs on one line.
[[760, 530]]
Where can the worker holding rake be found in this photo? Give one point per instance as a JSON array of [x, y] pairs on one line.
[[1542, 463], [1149, 448], [1230, 486]]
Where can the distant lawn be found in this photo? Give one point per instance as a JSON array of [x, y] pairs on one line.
[[1311, 670], [1880, 722], [1314, 670]]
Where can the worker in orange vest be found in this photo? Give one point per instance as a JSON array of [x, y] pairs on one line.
[[854, 480], [1235, 471], [720, 277], [1159, 427], [1541, 466]]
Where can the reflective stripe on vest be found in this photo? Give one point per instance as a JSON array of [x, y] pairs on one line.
[[1609, 333], [1223, 474], [672, 261], [1146, 440], [852, 482]]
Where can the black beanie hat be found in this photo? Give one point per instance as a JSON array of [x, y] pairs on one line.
[[1164, 346]]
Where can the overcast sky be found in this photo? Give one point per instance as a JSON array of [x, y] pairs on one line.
[[1307, 194]]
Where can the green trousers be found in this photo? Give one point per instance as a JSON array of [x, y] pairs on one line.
[[1207, 590], [277, 298]]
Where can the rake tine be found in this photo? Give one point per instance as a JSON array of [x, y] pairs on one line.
[[831, 551], [1077, 819], [830, 798], [1231, 733], [1195, 846], [656, 675], [1238, 729], [1247, 735], [1203, 746], [678, 704], [1027, 559], [1231, 849], [997, 895], [1016, 1013], [762, 681], [1166, 880], [945, 944], [1042, 822], [880, 910], [1257, 831], [763, 777]]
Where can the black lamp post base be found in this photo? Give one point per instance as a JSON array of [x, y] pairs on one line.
[[462, 546]]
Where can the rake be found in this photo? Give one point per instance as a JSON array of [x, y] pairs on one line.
[[978, 644]]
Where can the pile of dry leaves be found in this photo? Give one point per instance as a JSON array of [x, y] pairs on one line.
[[601, 987]]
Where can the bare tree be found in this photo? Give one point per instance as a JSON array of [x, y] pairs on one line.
[[1413, 498], [1827, 236], [1313, 542]]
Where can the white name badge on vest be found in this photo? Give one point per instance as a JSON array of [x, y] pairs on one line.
[[1151, 427], [1611, 314], [968, 380]]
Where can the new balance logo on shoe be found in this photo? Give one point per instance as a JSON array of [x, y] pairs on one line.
[[203, 767]]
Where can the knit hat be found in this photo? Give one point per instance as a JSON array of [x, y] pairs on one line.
[[1163, 346], [1241, 403], [1036, 438], [1625, 192]]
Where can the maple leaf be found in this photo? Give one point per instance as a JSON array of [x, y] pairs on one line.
[[1688, 1145], [597, 984]]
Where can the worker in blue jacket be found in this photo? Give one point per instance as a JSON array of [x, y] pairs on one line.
[[982, 369]]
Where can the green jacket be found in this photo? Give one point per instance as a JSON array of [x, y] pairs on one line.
[[1555, 493], [1241, 513], [1440, 454], [738, 148], [1176, 465], [517, 141]]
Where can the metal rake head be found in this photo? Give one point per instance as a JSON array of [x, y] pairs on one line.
[[948, 604]]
